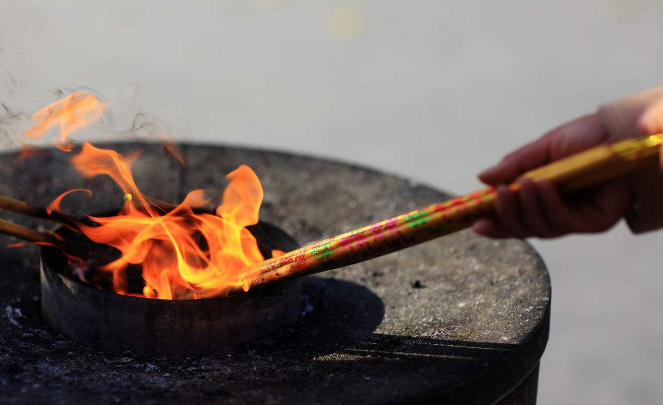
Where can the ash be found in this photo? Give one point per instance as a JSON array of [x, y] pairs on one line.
[[450, 319]]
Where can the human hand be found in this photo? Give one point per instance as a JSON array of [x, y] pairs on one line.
[[651, 122], [538, 209]]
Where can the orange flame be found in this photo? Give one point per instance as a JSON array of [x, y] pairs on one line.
[[75, 111], [183, 253], [55, 204], [172, 151]]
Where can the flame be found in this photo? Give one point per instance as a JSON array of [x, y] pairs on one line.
[[75, 111], [55, 204], [183, 251], [27, 150], [172, 151]]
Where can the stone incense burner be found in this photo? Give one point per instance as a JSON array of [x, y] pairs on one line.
[[458, 320]]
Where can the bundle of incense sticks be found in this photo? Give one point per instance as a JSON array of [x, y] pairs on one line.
[[583, 170], [71, 247]]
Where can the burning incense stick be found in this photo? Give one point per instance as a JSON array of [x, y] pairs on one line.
[[29, 235], [583, 170], [21, 207], [26, 234], [70, 247]]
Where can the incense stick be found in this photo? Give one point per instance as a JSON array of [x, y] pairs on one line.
[[583, 170], [21, 207], [68, 246], [73, 248], [21, 232]]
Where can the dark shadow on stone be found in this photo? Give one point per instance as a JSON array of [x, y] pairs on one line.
[[341, 317], [334, 313], [334, 350]]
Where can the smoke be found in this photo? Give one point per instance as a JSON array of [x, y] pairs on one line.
[[121, 121], [10, 122]]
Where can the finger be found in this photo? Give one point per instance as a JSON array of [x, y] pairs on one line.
[[507, 209], [529, 156], [602, 207], [491, 229], [651, 121], [533, 214], [573, 137], [557, 211]]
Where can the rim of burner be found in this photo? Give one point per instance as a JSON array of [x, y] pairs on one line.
[[113, 322], [99, 290]]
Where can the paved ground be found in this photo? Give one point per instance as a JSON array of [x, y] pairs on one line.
[[432, 90]]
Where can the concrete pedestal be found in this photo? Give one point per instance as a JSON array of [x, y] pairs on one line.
[[458, 320]]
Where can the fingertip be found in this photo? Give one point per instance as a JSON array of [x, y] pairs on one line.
[[643, 124], [489, 229], [647, 125], [503, 172], [651, 121], [482, 226], [490, 175]]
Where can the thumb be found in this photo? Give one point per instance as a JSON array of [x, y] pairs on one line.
[[651, 121], [565, 140]]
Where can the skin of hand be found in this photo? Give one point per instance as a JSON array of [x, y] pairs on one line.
[[539, 210], [651, 122]]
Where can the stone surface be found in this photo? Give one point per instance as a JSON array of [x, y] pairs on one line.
[[461, 318]]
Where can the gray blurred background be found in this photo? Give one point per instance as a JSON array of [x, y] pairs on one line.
[[431, 90]]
